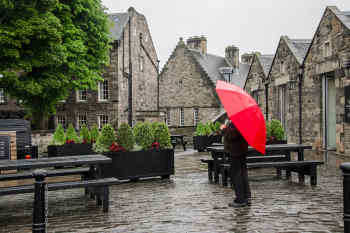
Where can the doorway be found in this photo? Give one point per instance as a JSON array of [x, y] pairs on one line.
[[329, 112]]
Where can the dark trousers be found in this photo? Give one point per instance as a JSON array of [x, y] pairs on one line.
[[239, 177]]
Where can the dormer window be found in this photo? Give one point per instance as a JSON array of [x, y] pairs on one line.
[[227, 73]]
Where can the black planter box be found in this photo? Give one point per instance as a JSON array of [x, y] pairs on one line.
[[201, 142], [69, 149], [215, 139], [139, 164], [276, 142]]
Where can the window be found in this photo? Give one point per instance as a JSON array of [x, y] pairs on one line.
[[81, 95], [327, 49], [102, 120], [168, 119], [195, 116], [255, 97], [282, 67], [2, 96], [142, 63], [61, 120], [180, 84], [103, 91], [182, 117], [82, 120]]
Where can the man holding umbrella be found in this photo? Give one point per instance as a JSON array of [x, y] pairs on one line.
[[237, 147], [246, 126]]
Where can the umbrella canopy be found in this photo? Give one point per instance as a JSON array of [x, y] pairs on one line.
[[245, 114]]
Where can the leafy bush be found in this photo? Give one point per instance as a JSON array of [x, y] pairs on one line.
[[94, 133], [71, 135], [143, 135], [274, 130], [125, 137], [85, 134], [105, 140], [214, 128], [58, 136], [161, 135], [202, 130]]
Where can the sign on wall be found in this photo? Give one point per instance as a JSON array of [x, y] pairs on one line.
[[347, 104]]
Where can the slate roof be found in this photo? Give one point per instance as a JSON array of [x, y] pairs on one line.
[[299, 47], [343, 16], [119, 21], [266, 62], [211, 63]]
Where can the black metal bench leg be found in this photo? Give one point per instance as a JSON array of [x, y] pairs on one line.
[[224, 177], [288, 173], [105, 199], [313, 175], [301, 177], [279, 173], [210, 171], [99, 199], [216, 175]]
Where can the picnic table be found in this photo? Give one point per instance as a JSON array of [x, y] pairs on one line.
[[178, 139], [276, 155], [91, 180]]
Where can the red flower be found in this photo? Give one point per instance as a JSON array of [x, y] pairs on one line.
[[155, 145], [70, 141], [116, 148]]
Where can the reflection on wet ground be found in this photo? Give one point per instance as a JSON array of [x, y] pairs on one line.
[[189, 203]]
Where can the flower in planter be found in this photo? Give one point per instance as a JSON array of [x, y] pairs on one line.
[[58, 136], [85, 134], [161, 134], [71, 135], [115, 147], [274, 131], [105, 140], [155, 145], [124, 137]]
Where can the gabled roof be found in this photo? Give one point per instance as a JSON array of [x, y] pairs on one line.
[[266, 62], [299, 47], [211, 64], [343, 16], [119, 21]]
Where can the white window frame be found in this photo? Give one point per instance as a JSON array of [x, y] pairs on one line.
[[168, 117], [195, 116], [61, 119], [2, 96], [102, 120], [103, 91], [80, 120], [80, 94], [181, 117]]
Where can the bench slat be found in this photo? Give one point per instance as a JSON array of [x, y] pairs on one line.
[[284, 164], [50, 173], [60, 185]]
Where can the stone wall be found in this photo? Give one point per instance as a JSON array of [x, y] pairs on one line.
[[183, 85], [321, 65], [42, 139]]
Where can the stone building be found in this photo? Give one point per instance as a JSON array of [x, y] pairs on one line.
[[257, 80], [188, 79], [326, 82], [132, 54], [283, 79]]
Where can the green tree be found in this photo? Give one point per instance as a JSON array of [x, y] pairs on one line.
[[161, 134], [105, 140], [143, 135], [49, 47], [71, 134], [58, 136], [125, 137], [94, 133], [85, 134]]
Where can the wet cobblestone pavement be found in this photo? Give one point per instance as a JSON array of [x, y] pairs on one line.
[[189, 203]]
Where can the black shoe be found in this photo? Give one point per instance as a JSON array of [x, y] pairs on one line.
[[237, 204]]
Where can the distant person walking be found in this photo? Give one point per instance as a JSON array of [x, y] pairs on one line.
[[237, 147]]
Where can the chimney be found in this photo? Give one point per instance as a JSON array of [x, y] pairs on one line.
[[247, 58], [232, 56], [199, 43]]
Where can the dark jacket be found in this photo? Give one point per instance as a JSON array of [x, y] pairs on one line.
[[234, 143]]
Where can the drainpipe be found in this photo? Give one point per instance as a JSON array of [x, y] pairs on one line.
[[158, 85], [130, 79], [301, 79], [267, 102]]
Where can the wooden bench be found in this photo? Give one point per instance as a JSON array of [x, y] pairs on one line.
[[100, 188], [84, 171], [301, 167]]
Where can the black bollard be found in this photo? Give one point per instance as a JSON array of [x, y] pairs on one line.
[[345, 167], [39, 208]]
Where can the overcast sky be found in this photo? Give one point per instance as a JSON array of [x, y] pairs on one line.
[[251, 25]]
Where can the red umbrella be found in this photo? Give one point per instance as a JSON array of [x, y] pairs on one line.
[[245, 113]]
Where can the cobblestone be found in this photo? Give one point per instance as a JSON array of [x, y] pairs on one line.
[[189, 203]]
